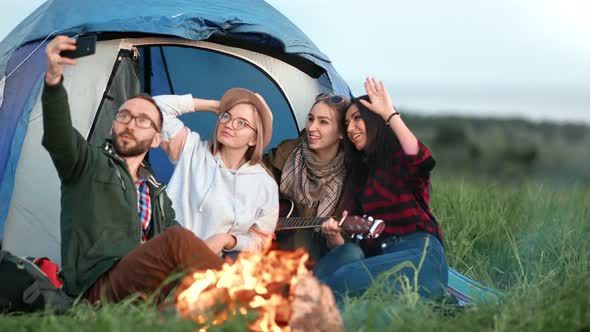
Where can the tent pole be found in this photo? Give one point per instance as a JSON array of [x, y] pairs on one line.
[[166, 71], [147, 71]]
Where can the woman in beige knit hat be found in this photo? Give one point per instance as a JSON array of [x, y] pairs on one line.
[[220, 190]]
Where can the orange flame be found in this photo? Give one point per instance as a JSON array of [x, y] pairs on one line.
[[260, 281]]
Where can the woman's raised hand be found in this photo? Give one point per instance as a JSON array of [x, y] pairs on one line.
[[380, 99]]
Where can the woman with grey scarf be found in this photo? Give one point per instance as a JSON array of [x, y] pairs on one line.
[[311, 172]]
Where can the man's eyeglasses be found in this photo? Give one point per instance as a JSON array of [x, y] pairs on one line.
[[330, 98], [237, 123], [140, 121]]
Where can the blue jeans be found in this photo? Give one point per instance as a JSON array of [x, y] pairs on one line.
[[354, 278], [231, 254], [337, 257]]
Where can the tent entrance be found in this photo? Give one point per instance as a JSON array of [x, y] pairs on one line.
[[180, 69]]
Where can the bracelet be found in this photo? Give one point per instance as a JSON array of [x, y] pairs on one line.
[[391, 116]]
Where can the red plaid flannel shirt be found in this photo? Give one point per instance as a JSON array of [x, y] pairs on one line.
[[392, 191], [144, 202]]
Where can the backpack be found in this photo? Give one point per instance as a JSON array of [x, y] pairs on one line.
[[25, 288]]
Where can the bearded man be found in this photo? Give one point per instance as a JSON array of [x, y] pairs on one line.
[[119, 235]]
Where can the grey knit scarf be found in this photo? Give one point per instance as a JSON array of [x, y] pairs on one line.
[[308, 181]]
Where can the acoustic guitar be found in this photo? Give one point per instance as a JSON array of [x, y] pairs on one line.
[[353, 225]]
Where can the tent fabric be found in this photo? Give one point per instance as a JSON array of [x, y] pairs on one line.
[[189, 19], [33, 202], [123, 85], [468, 291], [12, 109], [14, 117], [252, 20]]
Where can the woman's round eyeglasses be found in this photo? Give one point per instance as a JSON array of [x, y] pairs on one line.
[[237, 123]]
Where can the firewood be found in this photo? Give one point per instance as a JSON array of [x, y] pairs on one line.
[[314, 308], [211, 302], [283, 313]]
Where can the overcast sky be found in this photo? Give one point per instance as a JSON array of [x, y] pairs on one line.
[[529, 58]]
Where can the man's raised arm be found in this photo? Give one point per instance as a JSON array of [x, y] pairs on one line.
[[68, 149]]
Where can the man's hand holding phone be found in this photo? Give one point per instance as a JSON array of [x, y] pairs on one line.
[[61, 51], [85, 45], [55, 61]]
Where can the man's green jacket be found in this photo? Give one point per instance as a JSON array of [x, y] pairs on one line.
[[99, 217]]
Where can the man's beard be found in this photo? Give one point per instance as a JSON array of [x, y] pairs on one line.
[[131, 150]]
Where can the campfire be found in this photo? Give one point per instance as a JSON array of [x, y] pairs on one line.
[[276, 284]]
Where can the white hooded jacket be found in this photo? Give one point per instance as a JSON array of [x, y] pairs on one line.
[[208, 197]]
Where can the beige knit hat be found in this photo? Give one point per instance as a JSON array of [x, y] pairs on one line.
[[235, 96]]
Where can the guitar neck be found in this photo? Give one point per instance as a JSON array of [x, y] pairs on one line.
[[300, 222]]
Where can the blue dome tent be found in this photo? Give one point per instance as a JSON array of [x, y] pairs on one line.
[[201, 47]]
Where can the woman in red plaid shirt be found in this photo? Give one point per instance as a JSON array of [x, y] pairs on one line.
[[392, 180]]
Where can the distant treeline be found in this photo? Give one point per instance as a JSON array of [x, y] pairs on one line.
[[510, 149]]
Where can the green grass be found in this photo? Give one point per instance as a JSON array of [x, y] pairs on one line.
[[528, 240]]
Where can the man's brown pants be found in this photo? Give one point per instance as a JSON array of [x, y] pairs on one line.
[[144, 269]]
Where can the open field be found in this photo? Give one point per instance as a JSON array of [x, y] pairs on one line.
[[530, 240], [507, 149]]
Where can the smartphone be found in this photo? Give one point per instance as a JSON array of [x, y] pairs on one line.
[[85, 45]]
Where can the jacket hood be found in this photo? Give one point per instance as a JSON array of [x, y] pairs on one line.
[[244, 170]]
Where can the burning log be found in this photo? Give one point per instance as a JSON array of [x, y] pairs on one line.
[[276, 284], [313, 307]]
